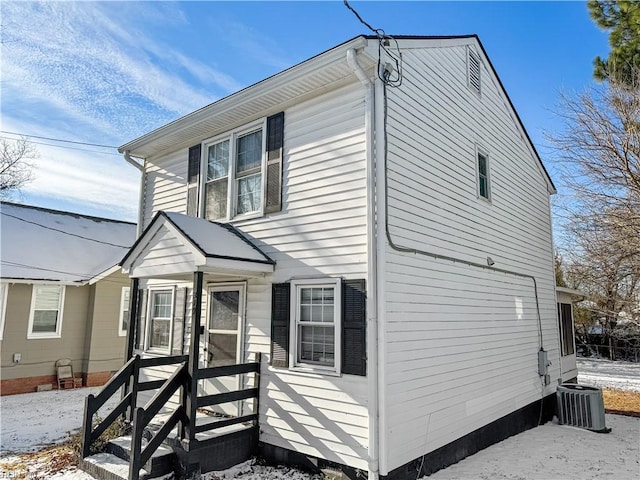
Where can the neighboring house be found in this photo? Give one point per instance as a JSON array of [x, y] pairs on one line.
[[62, 296], [382, 237], [566, 329]]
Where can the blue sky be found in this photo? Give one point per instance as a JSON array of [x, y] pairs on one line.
[[108, 72]]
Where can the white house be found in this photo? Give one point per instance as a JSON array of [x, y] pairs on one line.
[[374, 221]]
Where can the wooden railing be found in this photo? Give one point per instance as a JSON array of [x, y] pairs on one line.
[[144, 415], [128, 376], [219, 398]]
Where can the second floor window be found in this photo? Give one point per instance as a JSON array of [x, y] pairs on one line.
[[234, 165]]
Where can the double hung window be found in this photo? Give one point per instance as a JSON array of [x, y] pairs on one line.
[[234, 174], [45, 317], [160, 319], [316, 325]]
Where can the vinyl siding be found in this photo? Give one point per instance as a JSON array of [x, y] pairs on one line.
[[106, 347], [40, 354], [321, 232], [165, 185], [460, 342]]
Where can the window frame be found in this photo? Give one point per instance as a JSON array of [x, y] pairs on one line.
[[42, 335], [121, 331], [296, 287], [481, 152], [4, 294], [232, 179], [150, 318], [571, 339]]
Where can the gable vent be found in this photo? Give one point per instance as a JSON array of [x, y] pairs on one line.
[[473, 70]]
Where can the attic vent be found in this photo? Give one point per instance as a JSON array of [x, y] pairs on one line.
[[581, 406], [473, 70]]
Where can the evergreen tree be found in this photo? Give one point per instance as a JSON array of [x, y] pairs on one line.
[[621, 18]]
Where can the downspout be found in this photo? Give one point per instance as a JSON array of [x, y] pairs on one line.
[[372, 323], [129, 159]]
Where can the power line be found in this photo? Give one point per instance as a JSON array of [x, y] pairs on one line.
[[68, 148], [65, 233], [58, 139]]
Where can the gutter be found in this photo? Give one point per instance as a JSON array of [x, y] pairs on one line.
[[140, 166], [372, 285]]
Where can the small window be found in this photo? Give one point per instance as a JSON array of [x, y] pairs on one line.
[[160, 319], [484, 188], [124, 311], [4, 288], [565, 316], [234, 174], [316, 325], [45, 317]]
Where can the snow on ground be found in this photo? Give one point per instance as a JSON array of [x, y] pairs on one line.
[[30, 421], [548, 452], [603, 373], [554, 451]]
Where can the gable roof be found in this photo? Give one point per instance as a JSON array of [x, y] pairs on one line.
[[197, 245], [326, 70], [40, 244]]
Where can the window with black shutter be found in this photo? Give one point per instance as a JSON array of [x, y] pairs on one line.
[[327, 333], [237, 162]]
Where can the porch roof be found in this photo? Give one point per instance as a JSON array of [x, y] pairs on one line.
[[177, 244]]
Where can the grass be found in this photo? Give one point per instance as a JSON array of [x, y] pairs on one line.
[[622, 402]]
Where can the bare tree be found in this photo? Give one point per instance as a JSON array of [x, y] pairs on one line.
[[600, 159], [16, 168]]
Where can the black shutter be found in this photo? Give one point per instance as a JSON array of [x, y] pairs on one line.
[[280, 313], [178, 321], [354, 327], [193, 180], [142, 317], [275, 143]]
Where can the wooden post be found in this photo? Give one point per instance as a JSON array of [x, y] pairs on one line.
[[134, 381], [136, 444], [194, 353], [132, 326], [134, 293], [87, 426], [256, 404]]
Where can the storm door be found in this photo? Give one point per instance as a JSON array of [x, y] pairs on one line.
[[224, 340]]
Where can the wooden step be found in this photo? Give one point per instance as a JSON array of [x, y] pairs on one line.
[[162, 461], [106, 466]]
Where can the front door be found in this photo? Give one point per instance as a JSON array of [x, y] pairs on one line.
[[225, 340]]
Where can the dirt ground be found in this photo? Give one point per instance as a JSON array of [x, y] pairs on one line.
[[622, 402], [39, 465]]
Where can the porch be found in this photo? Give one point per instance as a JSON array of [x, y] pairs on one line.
[[188, 382]]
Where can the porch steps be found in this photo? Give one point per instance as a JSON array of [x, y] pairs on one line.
[[113, 464], [106, 466]]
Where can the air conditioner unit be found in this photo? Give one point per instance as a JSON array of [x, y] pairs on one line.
[[581, 406]]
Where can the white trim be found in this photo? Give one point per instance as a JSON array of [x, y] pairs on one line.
[[122, 332], [296, 286], [479, 150], [149, 319], [241, 287], [104, 274], [232, 195], [4, 293], [60, 310], [240, 99]]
